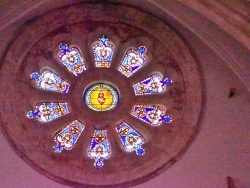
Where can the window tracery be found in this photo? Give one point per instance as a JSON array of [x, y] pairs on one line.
[[101, 97]]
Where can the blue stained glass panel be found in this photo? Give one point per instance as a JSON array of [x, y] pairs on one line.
[[47, 112], [131, 140], [72, 59], [153, 115], [133, 61], [99, 148], [152, 85], [50, 81], [68, 136], [103, 52]]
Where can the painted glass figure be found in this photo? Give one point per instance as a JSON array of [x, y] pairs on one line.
[[103, 52], [50, 81], [153, 115], [68, 136], [152, 85], [133, 61], [131, 140], [72, 59], [47, 112], [99, 148]]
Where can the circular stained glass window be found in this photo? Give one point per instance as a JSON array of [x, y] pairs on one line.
[[152, 76], [101, 97]]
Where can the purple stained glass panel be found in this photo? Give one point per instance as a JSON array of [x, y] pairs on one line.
[[72, 59], [48, 80], [68, 136], [99, 148], [131, 139], [153, 115], [152, 85], [47, 112], [103, 52], [133, 61]]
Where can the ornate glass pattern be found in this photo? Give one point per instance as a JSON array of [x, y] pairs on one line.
[[101, 97], [153, 115], [72, 59], [99, 148], [50, 81], [103, 52], [131, 140], [133, 61], [47, 112], [68, 136], [152, 85]]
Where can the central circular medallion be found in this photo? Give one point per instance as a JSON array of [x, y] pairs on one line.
[[101, 97]]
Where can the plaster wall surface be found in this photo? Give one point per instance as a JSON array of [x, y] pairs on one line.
[[221, 148]]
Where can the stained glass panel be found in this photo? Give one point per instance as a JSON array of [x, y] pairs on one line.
[[101, 97], [133, 61], [99, 148], [50, 81], [68, 136], [103, 52], [152, 85], [72, 59], [153, 115], [131, 140], [47, 112]]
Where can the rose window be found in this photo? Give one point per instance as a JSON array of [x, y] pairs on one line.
[[100, 97], [94, 96]]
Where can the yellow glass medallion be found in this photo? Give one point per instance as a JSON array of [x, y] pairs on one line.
[[101, 97]]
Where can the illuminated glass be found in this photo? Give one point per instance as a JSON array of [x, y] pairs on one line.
[[50, 81], [72, 59], [153, 115], [103, 52], [47, 112], [99, 148], [152, 85], [101, 97], [68, 136], [133, 61], [131, 140]]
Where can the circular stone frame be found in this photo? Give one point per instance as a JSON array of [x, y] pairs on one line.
[[33, 142]]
